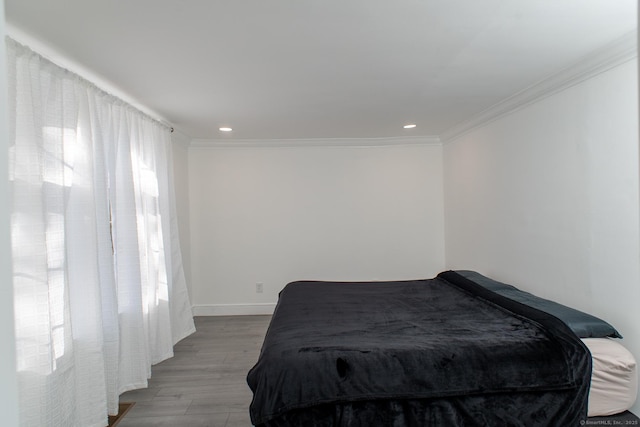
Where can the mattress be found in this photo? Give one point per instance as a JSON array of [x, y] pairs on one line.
[[443, 351], [614, 383], [614, 379]]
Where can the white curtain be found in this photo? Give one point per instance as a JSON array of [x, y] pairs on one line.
[[99, 288]]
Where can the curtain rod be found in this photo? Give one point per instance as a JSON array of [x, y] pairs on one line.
[[128, 104]]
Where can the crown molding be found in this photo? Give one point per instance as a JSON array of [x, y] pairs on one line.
[[314, 142], [601, 60]]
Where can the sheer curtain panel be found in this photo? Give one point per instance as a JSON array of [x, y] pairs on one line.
[[99, 287]]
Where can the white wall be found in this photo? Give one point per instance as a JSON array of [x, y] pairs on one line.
[[282, 213], [546, 198], [181, 186], [8, 384]]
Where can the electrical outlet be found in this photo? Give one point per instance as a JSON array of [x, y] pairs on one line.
[[259, 287]]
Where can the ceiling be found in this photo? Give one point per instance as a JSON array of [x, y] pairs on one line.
[[293, 69]]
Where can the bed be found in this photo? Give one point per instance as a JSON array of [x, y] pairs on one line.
[[451, 350], [614, 376]]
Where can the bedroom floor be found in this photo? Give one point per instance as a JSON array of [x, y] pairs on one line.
[[204, 384]]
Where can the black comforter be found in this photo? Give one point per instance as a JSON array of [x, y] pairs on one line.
[[441, 352]]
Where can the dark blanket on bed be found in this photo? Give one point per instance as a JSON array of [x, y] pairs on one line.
[[443, 351]]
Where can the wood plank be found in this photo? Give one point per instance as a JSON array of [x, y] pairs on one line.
[[204, 384]]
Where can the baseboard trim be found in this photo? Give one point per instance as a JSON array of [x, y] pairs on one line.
[[233, 309]]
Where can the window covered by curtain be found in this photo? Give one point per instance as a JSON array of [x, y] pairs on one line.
[[99, 288]]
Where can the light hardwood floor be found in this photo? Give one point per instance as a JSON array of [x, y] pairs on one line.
[[204, 384]]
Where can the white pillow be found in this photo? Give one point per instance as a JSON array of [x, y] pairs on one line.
[[614, 379]]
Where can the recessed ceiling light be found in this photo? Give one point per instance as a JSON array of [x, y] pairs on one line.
[[411, 126], [226, 129]]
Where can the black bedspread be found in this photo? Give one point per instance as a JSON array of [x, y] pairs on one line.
[[443, 351]]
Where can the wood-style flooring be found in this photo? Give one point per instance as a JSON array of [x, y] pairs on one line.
[[204, 384]]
